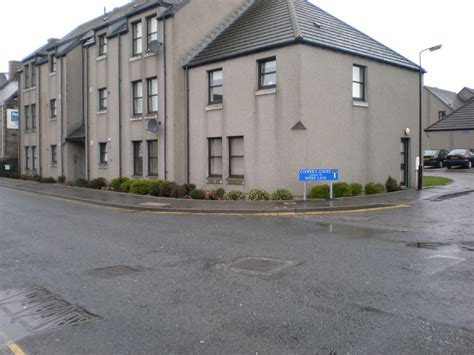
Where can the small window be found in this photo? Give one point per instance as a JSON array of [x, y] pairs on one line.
[[152, 34], [137, 38], [267, 72], [137, 91], [54, 155], [153, 158], [27, 158], [27, 117], [152, 90], [33, 116], [27, 76], [52, 109], [215, 157], [103, 99], [216, 86], [33, 157], [52, 63], [102, 45], [33, 75], [137, 159], [358, 82], [103, 153], [236, 157], [441, 114]]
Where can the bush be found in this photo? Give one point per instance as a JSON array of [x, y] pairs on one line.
[[391, 185], [282, 194], [233, 195], [341, 189], [117, 183], [189, 188], [166, 188], [259, 195], [61, 179], [48, 180], [98, 183], [319, 192], [179, 191], [197, 194], [37, 178], [126, 185], [26, 177], [356, 189], [81, 183], [211, 195], [155, 187], [140, 187], [373, 189], [220, 192]]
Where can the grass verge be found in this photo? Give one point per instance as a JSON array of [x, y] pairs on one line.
[[430, 181]]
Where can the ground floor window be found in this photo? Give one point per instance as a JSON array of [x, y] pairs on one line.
[[137, 158], [27, 158], [103, 153], [33, 157], [215, 157], [236, 157], [153, 158], [54, 155]]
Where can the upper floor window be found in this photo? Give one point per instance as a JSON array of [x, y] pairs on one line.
[[27, 76], [137, 38], [137, 91], [441, 114], [52, 108], [33, 116], [216, 86], [27, 117], [52, 63], [103, 99], [152, 87], [33, 75], [358, 82], [102, 45], [152, 34], [267, 73]]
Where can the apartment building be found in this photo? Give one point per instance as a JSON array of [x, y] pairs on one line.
[[241, 98], [9, 112]]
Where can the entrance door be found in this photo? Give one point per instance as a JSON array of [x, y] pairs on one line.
[[405, 162]]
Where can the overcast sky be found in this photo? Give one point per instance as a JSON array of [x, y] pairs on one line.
[[407, 26]]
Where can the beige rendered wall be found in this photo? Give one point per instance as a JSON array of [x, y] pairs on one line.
[[431, 108], [314, 87], [453, 139]]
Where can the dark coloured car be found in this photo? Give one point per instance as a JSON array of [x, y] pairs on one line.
[[460, 157], [434, 158]]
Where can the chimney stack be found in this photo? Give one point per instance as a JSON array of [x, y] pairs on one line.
[[13, 67]]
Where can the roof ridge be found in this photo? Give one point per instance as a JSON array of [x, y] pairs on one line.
[[294, 20], [218, 31]]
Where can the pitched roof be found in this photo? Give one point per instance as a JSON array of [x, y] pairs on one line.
[[272, 23], [78, 135], [460, 120], [449, 98], [8, 91]]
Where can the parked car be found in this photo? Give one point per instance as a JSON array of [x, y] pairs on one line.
[[434, 158], [460, 157]]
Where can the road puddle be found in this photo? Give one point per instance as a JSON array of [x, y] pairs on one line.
[[352, 231], [11, 330], [444, 247]]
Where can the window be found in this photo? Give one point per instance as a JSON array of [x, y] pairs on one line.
[[358, 83], [137, 38], [441, 114], [52, 108], [236, 157], [27, 158], [137, 159], [152, 34], [267, 72], [137, 89], [153, 158], [54, 155], [103, 99], [27, 117], [215, 157], [27, 76], [52, 63], [33, 157], [152, 86], [33, 75], [216, 86], [33, 116], [103, 153], [102, 45]]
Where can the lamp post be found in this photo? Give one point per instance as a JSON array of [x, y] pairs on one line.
[[420, 157]]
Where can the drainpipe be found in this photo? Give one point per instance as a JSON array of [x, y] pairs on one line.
[[38, 122], [186, 93], [3, 132], [62, 115], [165, 106], [85, 100], [120, 103], [19, 125]]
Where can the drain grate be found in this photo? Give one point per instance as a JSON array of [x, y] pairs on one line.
[[260, 265], [112, 271], [38, 309]]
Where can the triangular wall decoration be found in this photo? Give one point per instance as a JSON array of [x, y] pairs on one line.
[[299, 127]]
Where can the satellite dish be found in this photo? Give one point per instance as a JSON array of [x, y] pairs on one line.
[[153, 46], [152, 125]]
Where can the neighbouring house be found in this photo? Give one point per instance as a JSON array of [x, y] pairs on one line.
[[437, 104], [240, 99]]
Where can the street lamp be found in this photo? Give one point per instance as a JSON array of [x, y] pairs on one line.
[[420, 157]]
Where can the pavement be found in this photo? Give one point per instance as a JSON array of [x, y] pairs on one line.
[[157, 204]]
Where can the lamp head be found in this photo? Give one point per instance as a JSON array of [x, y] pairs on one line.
[[435, 48]]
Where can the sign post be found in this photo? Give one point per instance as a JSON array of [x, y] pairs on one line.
[[306, 175]]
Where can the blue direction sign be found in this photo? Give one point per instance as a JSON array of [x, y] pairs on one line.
[[319, 174]]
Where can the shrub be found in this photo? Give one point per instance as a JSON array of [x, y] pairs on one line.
[[36, 178], [282, 194], [189, 188], [61, 179], [319, 192], [126, 185], [220, 192], [259, 195], [341, 189], [117, 183], [26, 177], [211, 195], [81, 183], [391, 185], [48, 180], [373, 189], [166, 188], [233, 195], [197, 194], [356, 189], [140, 187], [98, 183], [179, 191], [155, 187]]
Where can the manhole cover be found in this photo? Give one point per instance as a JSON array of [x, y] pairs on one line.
[[112, 271], [37, 309], [260, 265]]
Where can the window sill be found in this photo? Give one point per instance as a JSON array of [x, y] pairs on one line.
[[360, 103], [31, 88], [52, 73], [102, 57], [214, 107], [135, 58], [52, 119], [270, 91], [151, 117], [136, 118], [103, 166], [103, 112], [214, 181], [235, 181], [150, 54]]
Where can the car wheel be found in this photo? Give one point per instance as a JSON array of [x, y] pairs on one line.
[[469, 165], [441, 165]]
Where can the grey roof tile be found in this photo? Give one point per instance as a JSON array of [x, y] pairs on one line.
[[7, 91], [449, 98], [460, 120]]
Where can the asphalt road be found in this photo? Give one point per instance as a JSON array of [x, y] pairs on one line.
[[358, 283]]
